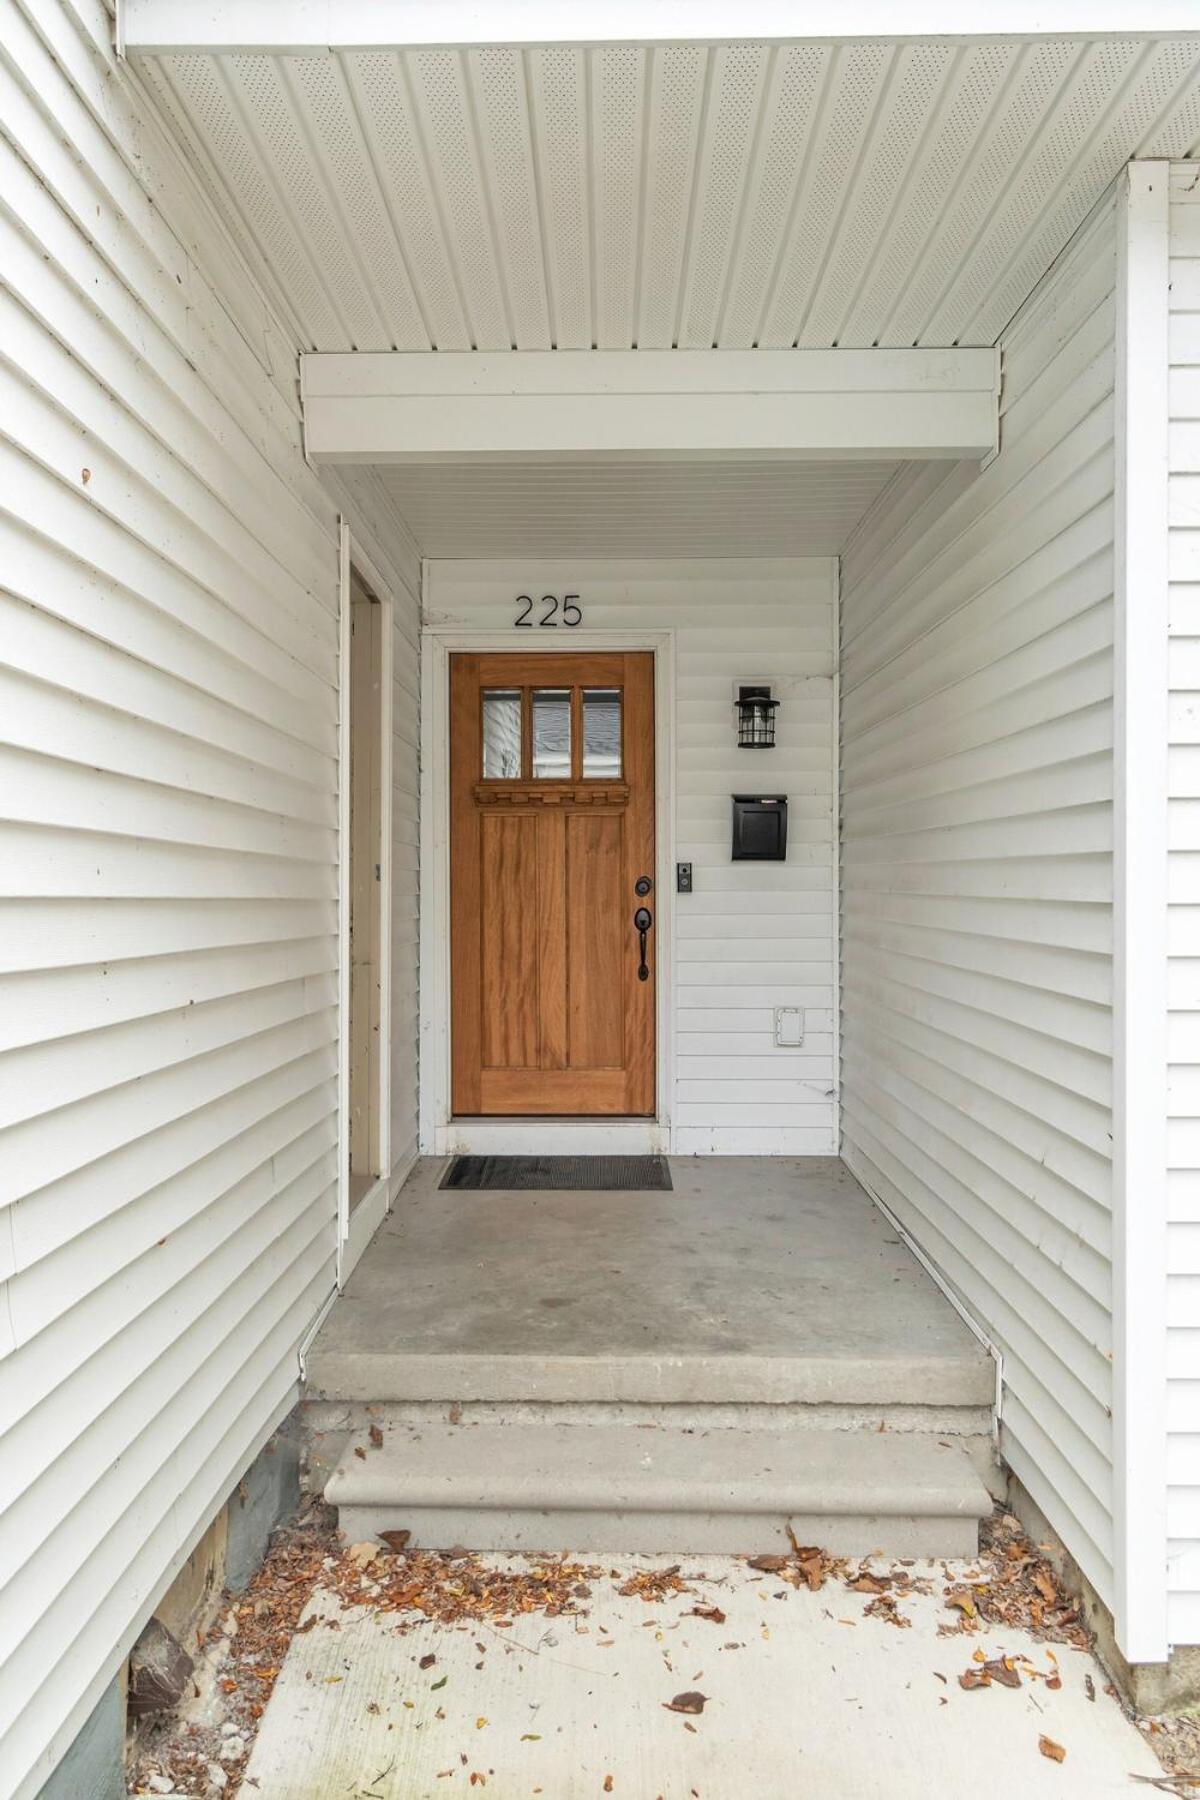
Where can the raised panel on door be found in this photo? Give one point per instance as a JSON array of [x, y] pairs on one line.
[[597, 940], [552, 824]]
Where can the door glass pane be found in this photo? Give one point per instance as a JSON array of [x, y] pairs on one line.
[[602, 731], [552, 734], [502, 734]]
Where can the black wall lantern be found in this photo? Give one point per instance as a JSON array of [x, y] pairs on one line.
[[756, 718]]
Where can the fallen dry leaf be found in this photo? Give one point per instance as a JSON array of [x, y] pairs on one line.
[[396, 1540], [427, 1661], [1049, 1748], [376, 1437], [608, 1788], [713, 1614], [690, 1702]]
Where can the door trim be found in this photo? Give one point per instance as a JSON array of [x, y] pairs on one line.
[[351, 553], [440, 1134]]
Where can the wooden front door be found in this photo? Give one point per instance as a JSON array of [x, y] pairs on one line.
[[551, 859]]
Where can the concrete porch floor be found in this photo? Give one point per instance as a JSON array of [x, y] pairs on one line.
[[769, 1279]]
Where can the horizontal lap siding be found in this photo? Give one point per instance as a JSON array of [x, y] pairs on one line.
[[977, 880], [750, 937], [1183, 1179], [168, 879]]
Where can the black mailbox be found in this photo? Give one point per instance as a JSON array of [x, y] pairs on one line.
[[760, 828]]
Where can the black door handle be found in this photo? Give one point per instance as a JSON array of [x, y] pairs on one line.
[[642, 922]]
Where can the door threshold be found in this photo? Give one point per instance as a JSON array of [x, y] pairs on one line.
[[550, 1135]]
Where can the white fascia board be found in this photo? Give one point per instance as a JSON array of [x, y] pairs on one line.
[[1141, 733], [645, 404], [159, 27]]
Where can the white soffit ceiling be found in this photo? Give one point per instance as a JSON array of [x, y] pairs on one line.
[[632, 509], [731, 195]]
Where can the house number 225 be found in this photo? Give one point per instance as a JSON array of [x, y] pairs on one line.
[[546, 610]]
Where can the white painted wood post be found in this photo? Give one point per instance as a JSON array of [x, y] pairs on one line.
[[1140, 848]]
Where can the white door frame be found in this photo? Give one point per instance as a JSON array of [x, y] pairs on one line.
[[440, 1133], [356, 1229]]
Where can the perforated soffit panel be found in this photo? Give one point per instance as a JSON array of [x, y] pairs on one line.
[[731, 196]]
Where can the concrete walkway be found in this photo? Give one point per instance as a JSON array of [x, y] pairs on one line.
[[804, 1697]]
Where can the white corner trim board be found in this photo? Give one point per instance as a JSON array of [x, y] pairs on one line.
[[161, 27], [395, 406], [1140, 854]]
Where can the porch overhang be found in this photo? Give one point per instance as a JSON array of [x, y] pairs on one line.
[[687, 405], [160, 27]]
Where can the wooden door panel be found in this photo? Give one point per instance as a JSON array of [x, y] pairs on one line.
[[548, 1015], [508, 873], [598, 939], [550, 926]]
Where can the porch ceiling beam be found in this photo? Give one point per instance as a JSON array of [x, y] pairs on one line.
[[156, 27], [547, 405]]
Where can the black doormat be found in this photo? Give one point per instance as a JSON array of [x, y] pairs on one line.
[[596, 1172]]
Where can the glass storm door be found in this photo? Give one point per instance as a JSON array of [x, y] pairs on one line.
[[552, 899]]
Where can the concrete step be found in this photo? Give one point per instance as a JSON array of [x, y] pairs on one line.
[[962, 1374], [685, 1491]]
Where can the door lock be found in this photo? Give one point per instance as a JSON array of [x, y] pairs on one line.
[[642, 921], [642, 885]]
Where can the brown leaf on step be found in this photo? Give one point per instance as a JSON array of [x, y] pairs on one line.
[[713, 1614], [883, 1606], [1054, 1681], [608, 1784], [359, 1451], [1089, 1687], [1000, 1671], [396, 1540], [769, 1565], [654, 1584], [690, 1702], [812, 1567], [1044, 1586], [1049, 1748], [867, 1584], [427, 1661], [376, 1436], [964, 1600]]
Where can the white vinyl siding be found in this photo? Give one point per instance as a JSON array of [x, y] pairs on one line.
[[976, 734], [1183, 1178], [750, 937], [168, 872]]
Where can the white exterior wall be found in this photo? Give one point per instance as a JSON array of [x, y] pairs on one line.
[[977, 630], [1183, 1178], [168, 731], [751, 936]]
